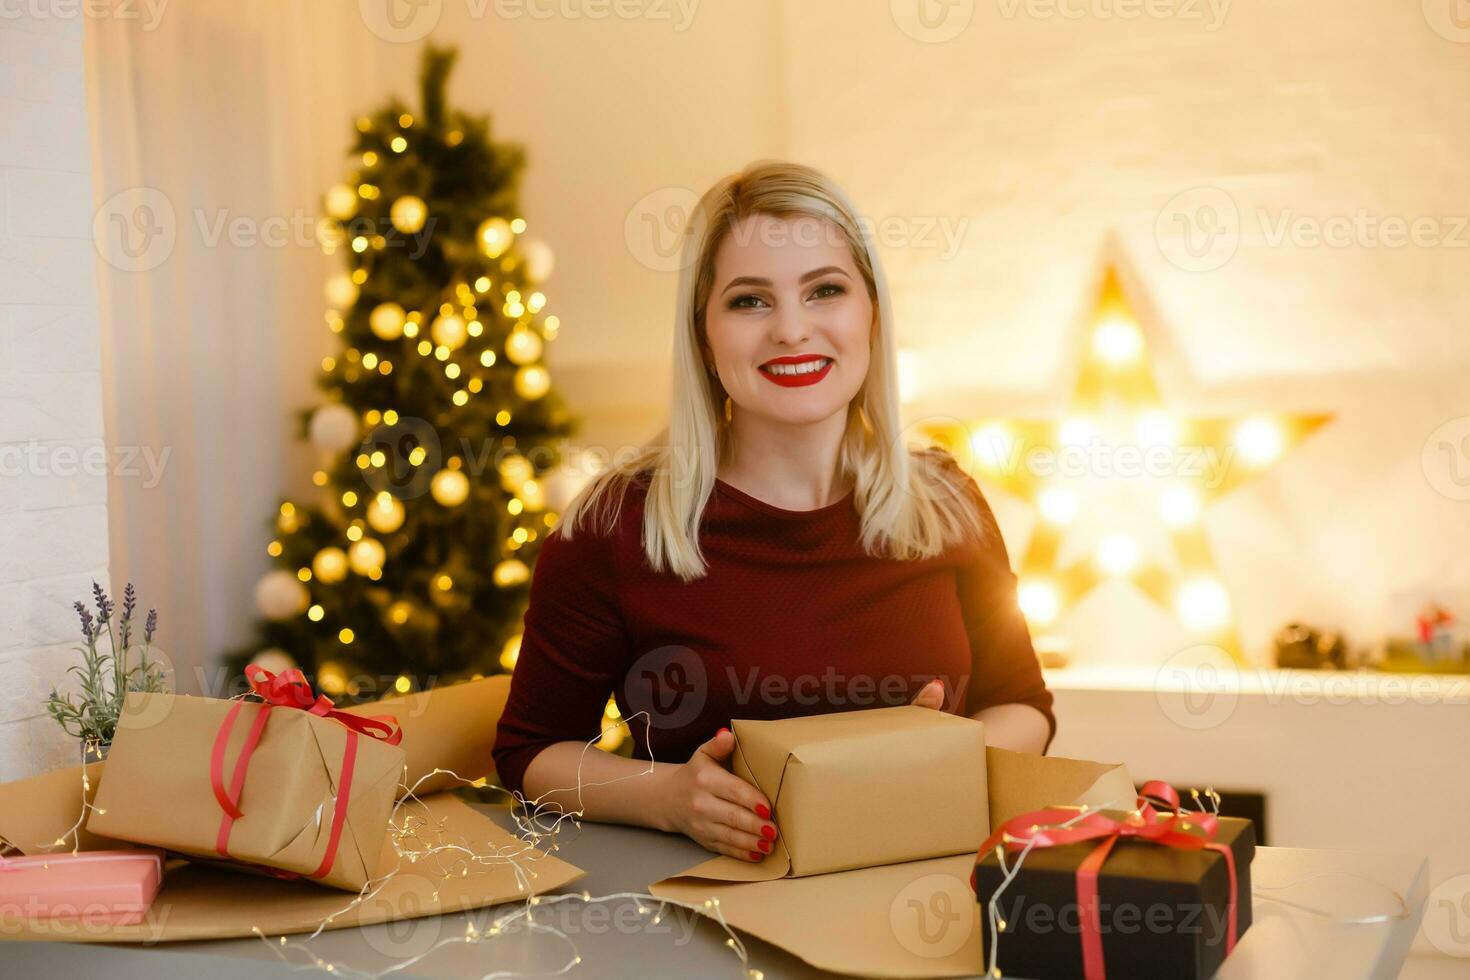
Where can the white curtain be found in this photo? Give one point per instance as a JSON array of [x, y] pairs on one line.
[[235, 117]]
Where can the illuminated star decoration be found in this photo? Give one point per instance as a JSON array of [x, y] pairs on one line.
[[1118, 443]]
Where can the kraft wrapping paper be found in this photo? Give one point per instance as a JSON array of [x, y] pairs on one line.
[[204, 901], [847, 892]]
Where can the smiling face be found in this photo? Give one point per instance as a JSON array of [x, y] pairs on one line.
[[789, 321]]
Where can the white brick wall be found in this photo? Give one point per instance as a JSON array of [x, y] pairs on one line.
[[53, 508]]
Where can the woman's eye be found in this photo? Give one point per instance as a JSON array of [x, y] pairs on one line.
[[836, 290], [739, 302]]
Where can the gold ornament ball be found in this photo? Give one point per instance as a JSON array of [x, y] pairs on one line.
[[333, 428], [532, 496], [385, 515], [450, 487], [367, 556], [532, 381], [330, 565], [341, 202], [515, 470], [400, 612], [386, 321], [522, 346], [511, 572], [341, 291], [511, 652], [495, 236], [408, 213], [449, 331]]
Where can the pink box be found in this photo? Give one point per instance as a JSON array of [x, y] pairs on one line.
[[105, 887]]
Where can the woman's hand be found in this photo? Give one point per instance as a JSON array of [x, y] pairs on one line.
[[714, 807], [931, 695]]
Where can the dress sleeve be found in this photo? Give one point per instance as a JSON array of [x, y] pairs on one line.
[[573, 650], [1004, 668]]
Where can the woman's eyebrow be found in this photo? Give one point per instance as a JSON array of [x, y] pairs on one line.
[[758, 281]]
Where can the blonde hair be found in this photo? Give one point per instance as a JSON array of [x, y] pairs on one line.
[[914, 503]]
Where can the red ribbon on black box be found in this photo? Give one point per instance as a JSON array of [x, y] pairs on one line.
[[289, 689], [1152, 891]]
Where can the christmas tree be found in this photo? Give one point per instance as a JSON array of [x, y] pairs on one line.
[[438, 428]]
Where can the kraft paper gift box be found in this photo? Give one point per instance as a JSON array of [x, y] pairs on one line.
[[447, 727], [310, 803], [1162, 911], [108, 887], [879, 815]]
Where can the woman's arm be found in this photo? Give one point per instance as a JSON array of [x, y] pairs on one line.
[[613, 789], [1018, 727]]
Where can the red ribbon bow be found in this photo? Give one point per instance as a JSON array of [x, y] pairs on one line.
[[1055, 827], [289, 689]]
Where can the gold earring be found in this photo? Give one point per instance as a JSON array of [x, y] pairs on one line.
[[729, 408]]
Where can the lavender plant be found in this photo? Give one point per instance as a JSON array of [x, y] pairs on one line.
[[93, 717]]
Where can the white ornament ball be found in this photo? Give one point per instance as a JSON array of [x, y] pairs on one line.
[[280, 595], [408, 213], [341, 202], [333, 428], [562, 485], [274, 659], [386, 321], [539, 258], [341, 291]]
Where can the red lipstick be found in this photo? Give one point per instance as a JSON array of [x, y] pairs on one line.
[[798, 374]]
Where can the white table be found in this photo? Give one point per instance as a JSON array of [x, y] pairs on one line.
[[1283, 943]]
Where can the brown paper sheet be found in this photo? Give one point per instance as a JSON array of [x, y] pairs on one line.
[[156, 786], [200, 901], [449, 727], [915, 918]]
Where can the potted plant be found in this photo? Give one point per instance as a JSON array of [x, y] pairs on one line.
[[106, 675]]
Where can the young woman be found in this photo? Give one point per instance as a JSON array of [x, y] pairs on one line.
[[778, 550]]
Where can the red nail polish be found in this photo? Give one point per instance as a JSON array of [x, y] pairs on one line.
[[763, 811], [768, 832], [764, 845], [755, 855], [722, 731]]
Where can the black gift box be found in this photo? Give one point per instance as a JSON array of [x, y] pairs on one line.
[[1162, 911]]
